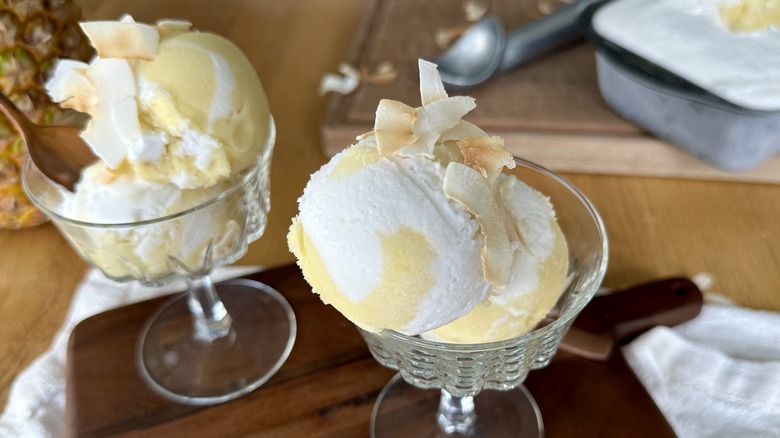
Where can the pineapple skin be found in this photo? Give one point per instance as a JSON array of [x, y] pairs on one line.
[[33, 35]]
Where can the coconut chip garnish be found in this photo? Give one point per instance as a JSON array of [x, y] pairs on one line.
[[351, 78], [106, 88], [403, 131]]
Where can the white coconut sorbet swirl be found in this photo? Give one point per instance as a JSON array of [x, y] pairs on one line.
[[410, 228], [727, 47]]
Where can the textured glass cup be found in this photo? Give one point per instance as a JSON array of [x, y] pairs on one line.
[[212, 343], [463, 371]]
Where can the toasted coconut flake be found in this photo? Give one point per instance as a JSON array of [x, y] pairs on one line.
[[446, 152], [431, 86], [434, 119], [105, 139], [441, 115], [467, 187], [337, 84], [124, 113], [343, 83], [462, 130], [364, 136], [169, 28], [81, 102], [415, 131], [385, 74], [487, 155], [516, 238], [124, 39], [546, 7], [70, 86], [114, 125], [423, 146], [474, 10], [350, 78], [444, 37], [394, 126], [113, 79]]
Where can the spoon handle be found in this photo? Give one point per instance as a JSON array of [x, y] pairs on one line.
[[17, 118], [539, 37]]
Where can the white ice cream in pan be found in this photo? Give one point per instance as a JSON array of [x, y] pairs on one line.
[[730, 48]]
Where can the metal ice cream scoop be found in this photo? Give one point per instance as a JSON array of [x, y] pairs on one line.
[[484, 50]]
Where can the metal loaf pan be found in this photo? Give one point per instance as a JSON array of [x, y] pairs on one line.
[[669, 107]]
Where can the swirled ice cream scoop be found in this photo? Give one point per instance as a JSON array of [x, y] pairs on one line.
[[411, 228], [167, 104], [176, 115]]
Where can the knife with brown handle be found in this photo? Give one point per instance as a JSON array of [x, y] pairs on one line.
[[617, 317]]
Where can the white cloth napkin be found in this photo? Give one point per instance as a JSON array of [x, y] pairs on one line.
[[36, 403], [717, 375]]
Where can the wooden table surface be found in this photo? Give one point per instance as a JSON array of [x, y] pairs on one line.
[[657, 227]]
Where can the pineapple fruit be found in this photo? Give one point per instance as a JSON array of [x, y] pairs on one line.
[[33, 34]]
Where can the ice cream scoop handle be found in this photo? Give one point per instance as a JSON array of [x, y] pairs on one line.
[[542, 36]]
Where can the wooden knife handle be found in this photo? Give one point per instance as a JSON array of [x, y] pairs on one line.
[[628, 313]]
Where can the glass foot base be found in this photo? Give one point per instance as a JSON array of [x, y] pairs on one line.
[[402, 410], [182, 368]]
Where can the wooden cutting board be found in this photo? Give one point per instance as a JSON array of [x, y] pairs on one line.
[[550, 112], [326, 388]]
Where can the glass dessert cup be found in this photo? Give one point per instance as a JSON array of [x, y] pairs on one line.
[[212, 343], [406, 407]]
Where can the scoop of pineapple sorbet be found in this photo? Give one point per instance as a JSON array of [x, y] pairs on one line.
[[411, 228]]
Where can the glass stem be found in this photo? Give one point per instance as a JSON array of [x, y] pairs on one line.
[[210, 318], [456, 414]]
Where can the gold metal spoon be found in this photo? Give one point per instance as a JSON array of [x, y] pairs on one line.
[[58, 151]]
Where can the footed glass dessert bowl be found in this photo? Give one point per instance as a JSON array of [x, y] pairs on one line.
[[212, 343], [462, 372]]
